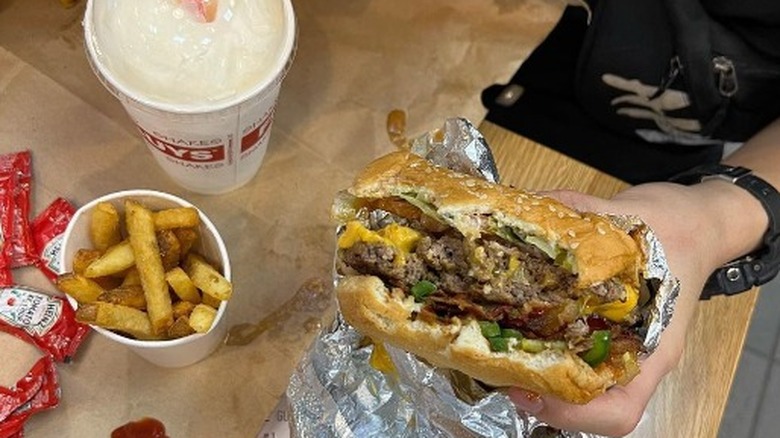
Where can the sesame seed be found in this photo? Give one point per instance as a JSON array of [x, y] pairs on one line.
[[552, 208], [571, 233], [561, 215], [574, 245]]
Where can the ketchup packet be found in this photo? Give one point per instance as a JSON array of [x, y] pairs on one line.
[[47, 230], [17, 168], [47, 321], [39, 389], [25, 389], [6, 226]]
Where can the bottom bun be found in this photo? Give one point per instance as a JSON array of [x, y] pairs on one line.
[[368, 305]]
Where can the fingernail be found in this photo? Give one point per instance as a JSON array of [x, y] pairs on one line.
[[527, 401]]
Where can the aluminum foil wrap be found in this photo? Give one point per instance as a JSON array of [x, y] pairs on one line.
[[340, 390], [459, 146]]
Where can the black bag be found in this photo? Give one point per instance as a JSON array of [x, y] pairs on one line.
[[734, 89]]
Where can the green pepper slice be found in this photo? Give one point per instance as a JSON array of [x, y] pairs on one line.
[[511, 333], [499, 344], [532, 345], [422, 289], [600, 349], [490, 329]]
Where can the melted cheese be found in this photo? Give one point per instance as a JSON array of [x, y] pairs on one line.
[[616, 311], [512, 266], [380, 360], [402, 238]]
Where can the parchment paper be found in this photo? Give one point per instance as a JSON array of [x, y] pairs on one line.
[[356, 61], [25, 355]]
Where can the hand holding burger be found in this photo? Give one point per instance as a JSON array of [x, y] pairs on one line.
[[698, 235]]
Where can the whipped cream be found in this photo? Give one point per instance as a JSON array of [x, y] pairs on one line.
[[165, 51]]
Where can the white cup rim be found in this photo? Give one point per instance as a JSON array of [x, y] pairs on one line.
[[226, 272], [280, 68]]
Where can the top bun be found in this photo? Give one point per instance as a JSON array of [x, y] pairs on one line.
[[597, 249]]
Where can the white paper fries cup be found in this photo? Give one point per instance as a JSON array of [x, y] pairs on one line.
[[210, 147], [165, 353]]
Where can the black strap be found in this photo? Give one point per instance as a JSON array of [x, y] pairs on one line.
[[756, 268]]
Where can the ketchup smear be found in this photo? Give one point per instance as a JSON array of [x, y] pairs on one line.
[[144, 428]]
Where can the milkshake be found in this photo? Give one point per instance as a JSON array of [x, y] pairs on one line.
[[199, 78]]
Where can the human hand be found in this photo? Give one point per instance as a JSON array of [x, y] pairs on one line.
[[689, 223]]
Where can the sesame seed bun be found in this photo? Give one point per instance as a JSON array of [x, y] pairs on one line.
[[600, 250]]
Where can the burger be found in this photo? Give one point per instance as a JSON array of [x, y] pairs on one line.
[[509, 287]]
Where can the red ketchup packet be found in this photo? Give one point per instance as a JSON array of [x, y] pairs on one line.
[[17, 168], [48, 229], [6, 225], [48, 321], [39, 389]]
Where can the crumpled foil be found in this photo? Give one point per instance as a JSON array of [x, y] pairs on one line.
[[459, 146], [336, 392], [657, 272]]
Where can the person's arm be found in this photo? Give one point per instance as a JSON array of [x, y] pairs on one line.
[[701, 227]]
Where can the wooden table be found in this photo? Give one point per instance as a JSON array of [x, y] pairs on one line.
[[691, 400]]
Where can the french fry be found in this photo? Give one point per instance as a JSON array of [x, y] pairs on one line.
[[83, 258], [180, 217], [108, 283], [187, 238], [202, 317], [132, 278], [182, 286], [81, 288], [170, 249], [140, 227], [115, 317], [180, 328], [206, 278], [210, 301], [182, 308], [115, 260], [104, 227], [130, 296]]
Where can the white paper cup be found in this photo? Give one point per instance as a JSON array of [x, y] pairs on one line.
[[209, 148], [166, 353]]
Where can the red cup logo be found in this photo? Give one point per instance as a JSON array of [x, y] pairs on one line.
[[254, 136], [204, 154]]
